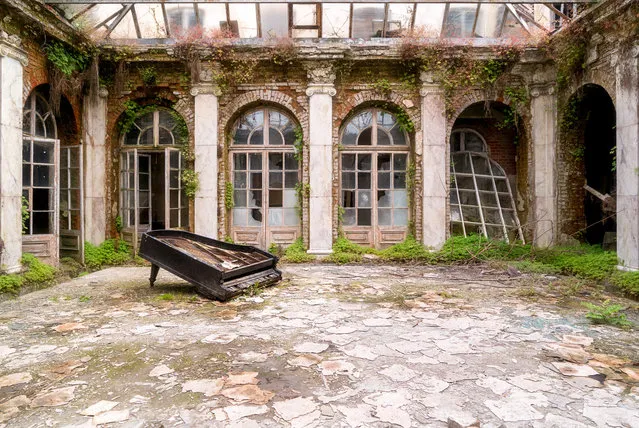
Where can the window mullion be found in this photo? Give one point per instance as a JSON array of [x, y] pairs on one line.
[[266, 127]]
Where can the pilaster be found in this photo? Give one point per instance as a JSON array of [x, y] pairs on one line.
[[206, 159], [627, 110], [320, 91], [434, 163], [95, 130], [543, 108], [12, 61]]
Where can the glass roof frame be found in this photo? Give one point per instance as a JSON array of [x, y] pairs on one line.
[[358, 19]]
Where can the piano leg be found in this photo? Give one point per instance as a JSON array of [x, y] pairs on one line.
[[154, 274]]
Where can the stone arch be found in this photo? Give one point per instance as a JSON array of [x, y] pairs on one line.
[[478, 96]]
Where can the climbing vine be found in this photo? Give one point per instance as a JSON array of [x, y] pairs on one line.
[[302, 191], [299, 144], [229, 202], [69, 69], [190, 181]]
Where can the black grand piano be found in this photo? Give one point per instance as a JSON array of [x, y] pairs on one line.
[[219, 270]]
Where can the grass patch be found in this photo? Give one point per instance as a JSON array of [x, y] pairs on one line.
[[531, 266], [607, 313], [294, 253], [167, 297], [36, 273], [408, 251], [110, 252], [628, 282]]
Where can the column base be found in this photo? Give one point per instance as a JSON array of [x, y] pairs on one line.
[[13, 269], [319, 253], [627, 268]]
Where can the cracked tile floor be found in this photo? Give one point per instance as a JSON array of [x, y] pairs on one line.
[[330, 346]]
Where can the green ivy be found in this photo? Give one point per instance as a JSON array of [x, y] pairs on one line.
[[65, 58], [148, 75], [302, 190], [382, 86], [229, 201], [118, 224], [191, 182], [25, 215], [299, 144]]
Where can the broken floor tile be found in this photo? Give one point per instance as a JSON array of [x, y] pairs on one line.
[[569, 369], [377, 322], [71, 326], [497, 386], [11, 407], [409, 347], [306, 421], [340, 367], [555, 421], [222, 339], [242, 378], [253, 357], [311, 347], [111, 417], [208, 387], [6, 351], [233, 413], [612, 416], [161, 370], [394, 416], [99, 407], [57, 397], [341, 330], [567, 351], [577, 340], [356, 416], [361, 351], [518, 406], [294, 408], [15, 379], [398, 373], [305, 360], [455, 345], [250, 393], [389, 399]]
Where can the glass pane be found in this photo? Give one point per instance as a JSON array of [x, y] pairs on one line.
[[349, 137], [428, 19], [348, 180], [211, 15], [400, 217], [290, 198], [349, 217], [274, 19], [150, 21], [43, 175], [368, 20], [144, 182], [64, 179], [26, 174], [290, 217], [146, 138], [26, 151], [255, 217], [255, 198], [143, 199], [489, 20], [348, 162], [165, 137], [275, 180], [239, 198], [384, 161], [363, 180], [42, 200], [275, 198], [74, 174], [255, 160], [304, 14], [256, 180], [277, 119], [245, 16], [275, 138], [399, 19], [400, 199], [399, 162], [383, 180], [239, 180], [240, 216], [335, 20], [290, 162], [384, 217], [399, 180], [184, 217], [365, 138], [275, 161], [239, 161], [473, 143], [399, 138], [275, 216], [460, 20], [383, 139], [384, 198], [348, 198], [174, 199], [43, 152], [41, 223], [181, 17], [364, 217], [174, 158], [257, 138], [455, 142], [364, 199], [364, 162], [290, 180]]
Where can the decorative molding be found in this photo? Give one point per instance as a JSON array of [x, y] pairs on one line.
[[430, 89], [320, 73], [206, 89], [327, 89], [540, 89], [10, 47], [103, 92]]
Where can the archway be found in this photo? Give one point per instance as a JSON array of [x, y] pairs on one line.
[[483, 150]]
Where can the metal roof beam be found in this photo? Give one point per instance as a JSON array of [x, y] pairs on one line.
[[306, 1]]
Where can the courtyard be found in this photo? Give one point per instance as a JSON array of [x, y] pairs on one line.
[[329, 346]]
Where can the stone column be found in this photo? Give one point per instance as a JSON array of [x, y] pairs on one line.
[[95, 153], [627, 95], [206, 161], [543, 108], [12, 61], [435, 164], [320, 92]]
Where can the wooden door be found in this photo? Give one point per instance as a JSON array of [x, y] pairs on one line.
[[71, 203]]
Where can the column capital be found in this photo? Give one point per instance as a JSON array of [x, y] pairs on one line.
[[327, 89], [320, 72], [539, 89], [430, 85], [206, 88], [10, 47]]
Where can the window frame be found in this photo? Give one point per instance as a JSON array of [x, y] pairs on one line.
[[155, 127], [462, 141]]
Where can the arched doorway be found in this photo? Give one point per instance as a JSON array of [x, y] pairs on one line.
[[374, 163], [51, 181], [152, 195], [483, 172], [265, 174], [589, 135]]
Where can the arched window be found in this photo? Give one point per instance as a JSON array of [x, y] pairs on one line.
[[152, 195], [155, 128], [467, 140], [264, 172], [39, 160], [374, 165]]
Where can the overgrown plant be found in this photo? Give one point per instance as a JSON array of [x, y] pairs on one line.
[[191, 182], [148, 75], [229, 201], [296, 253], [25, 215], [607, 313], [110, 252]]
